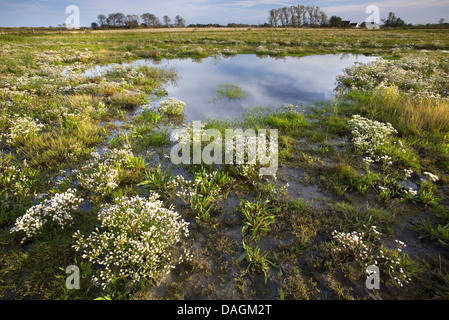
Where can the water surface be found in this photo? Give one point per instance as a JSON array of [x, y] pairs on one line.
[[267, 81]]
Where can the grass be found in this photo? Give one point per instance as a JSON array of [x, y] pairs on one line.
[[127, 100], [256, 216], [408, 115], [250, 237], [159, 181], [230, 91]]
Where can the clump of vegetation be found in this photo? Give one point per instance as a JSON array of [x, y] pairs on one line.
[[257, 216], [135, 240], [366, 249], [171, 106], [21, 128], [127, 100], [55, 211], [230, 91], [370, 136], [257, 262], [103, 173], [204, 191], [17, 179]]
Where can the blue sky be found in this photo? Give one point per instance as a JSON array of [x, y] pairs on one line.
[[37, 13]]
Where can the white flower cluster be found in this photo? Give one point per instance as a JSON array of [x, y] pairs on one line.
[[135, 239], [291, 109], [262, 49], [411, 192], [432, 176], [228, 52], [369, 252], [408, 173], [48, 80], [420, 76], [21, 128], [171, 106], [95, 110], [202, 183], [122, 71], [369, 135], [58, 209], [101, 174]]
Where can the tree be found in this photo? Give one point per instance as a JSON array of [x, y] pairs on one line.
[[102, 20], [273, 17], [299, 12], [132, 21], [335, 22], [150, 20], [110, 20], [119, 19], [324, 22], [116, 19], [293, 17], [393, 21], [167, 21], [285, 14], [180, 22], [309, 10], [298, 16], [94, 26]]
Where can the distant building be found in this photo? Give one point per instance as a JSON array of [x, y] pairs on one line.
[[345, 23], [354, 25], [370, 25]]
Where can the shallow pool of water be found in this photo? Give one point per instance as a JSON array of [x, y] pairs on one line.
[[266, 81]]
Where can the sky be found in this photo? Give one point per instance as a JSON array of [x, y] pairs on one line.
[[36, 13]]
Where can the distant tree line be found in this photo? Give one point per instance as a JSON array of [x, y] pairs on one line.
[[298, 16], [229, 25], [130, 21], [293, 16], [313, 16]]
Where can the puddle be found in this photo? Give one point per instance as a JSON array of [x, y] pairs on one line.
[[264, 81]]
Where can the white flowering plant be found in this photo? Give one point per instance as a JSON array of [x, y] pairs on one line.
[[427, 193], [415, 75], [171, 106], [21, 128], [228, 52], [370, 135], [136, 240], [56, 211], [103, 172], [365, 247]]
